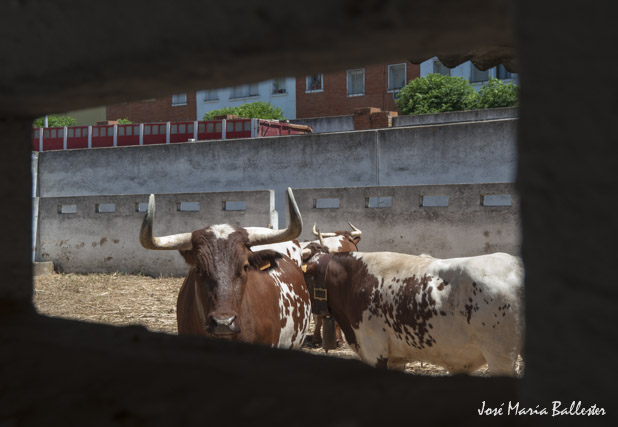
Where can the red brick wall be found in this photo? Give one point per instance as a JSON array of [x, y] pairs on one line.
[[334, 100], [159, 110]]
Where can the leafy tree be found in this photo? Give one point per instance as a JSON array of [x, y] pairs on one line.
[[55, 121], [124, 121], [497, 93], [253, 110], [220, 112], [436, 93]]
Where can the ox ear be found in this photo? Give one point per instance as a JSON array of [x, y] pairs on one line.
[[263, 260]]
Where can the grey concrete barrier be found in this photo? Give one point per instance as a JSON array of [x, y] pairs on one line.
[[457, 116], [472, 152], [346, 123], [441, 220], [99, 234], [327, 124]]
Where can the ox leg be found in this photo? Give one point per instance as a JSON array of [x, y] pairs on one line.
[[339, 336], [396, 364], [500, 363], [502, 366], [317, 331]]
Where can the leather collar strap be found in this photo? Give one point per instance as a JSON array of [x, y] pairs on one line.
[[317, 286]]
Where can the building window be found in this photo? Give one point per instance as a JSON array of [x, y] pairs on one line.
[[356, 82], [396, 77], [502, 73], [279, 86], [179, 99], [315, 83], [211, 95], [440, 68], [245, 91], [477, 75]]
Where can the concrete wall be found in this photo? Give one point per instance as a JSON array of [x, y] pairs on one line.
[[328, 124], [457, 116], [473, 152], [346, 123], [470, 224], [88, 241], [88, 238]]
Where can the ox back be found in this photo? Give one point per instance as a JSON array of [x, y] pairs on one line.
[[457, 313], [291, 249], [275, 307]]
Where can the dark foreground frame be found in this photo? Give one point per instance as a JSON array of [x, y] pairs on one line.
[[75, 373]]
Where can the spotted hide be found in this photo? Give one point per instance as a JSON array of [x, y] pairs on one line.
[[457, 313], [292, 249], [232, 289]]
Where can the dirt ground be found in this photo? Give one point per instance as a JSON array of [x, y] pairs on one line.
[[120, 299]]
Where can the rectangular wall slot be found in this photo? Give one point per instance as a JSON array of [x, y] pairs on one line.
[[329, 203], [67, 209], [188, 206], [234, 206], [379, 202], [105, 207], [496, 200], [141, 207], [434, 201]]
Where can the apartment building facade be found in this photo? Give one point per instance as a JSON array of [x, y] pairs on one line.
[[175, 108], [190, 106], [468, 71], [279, 92], [340, 93]]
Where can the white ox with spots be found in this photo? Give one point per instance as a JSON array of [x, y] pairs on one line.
[[457, 313]]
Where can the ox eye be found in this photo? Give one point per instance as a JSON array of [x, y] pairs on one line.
[[246, 267]]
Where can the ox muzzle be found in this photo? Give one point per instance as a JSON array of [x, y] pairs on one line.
[[227, 325]]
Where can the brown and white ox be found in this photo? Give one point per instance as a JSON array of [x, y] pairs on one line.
[[457, 313], [338, 241], [233, 292], [332, 242]]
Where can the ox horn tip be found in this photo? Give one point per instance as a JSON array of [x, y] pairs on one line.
[[296, 220], [321, 238], [151, 204], [357, 231]]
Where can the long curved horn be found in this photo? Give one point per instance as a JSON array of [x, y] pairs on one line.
[[315, 232], [356, 231], [321, 237], [172, 242], [262, 236]]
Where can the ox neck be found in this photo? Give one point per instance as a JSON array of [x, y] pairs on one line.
[[198, 304], [319, 294]]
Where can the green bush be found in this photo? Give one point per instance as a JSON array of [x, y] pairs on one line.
[[497, 93], [124, 121], [436, 93], [253, 110], [55, 120]]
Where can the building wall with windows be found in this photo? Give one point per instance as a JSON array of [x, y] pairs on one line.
[[468, 71], [174, 108], [88, 116], [279, 92], [338, 94]]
